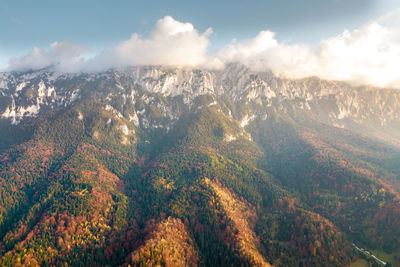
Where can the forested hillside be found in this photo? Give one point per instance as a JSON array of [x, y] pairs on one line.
[[158, 166]]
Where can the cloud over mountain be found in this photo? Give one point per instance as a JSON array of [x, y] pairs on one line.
[[170, 43], [64, 54], [369, 55]]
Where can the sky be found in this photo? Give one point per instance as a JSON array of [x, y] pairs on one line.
[[352, 40]]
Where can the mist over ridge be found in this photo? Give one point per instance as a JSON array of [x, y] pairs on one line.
[[366, 56]]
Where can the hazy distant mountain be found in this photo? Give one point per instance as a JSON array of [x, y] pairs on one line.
[[178, 166]]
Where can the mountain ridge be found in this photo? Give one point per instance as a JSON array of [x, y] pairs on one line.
[[349, 107], [105, 168]]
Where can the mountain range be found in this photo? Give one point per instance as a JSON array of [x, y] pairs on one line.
[[156, 165]]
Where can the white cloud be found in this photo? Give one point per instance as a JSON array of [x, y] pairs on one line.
[[369, 55], [264, 51], [65, 56], [170, 43]]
